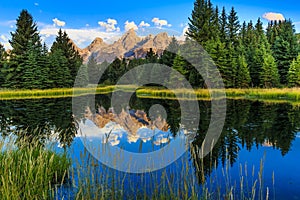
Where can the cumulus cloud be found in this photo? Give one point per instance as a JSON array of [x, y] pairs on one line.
[[160, 22], [58, 22], [273, 16], [143, 24], [4, 38], [109, 25], [81, 37], [130, 25]]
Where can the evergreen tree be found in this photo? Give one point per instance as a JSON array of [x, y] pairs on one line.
[[93, 70], [285, 47], [151, 56], [179, 65], [243, 78], [294, 73], [233, 27], [200, 27], [115, 71], [26, 38], [82, 78], [281, 53], [168, 56], [2, 64], [269, 76], [74, 60], [33, 76], [223, 25], [59, 70], [26, 31]]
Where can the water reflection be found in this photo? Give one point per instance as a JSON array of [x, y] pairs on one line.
[[38, 119], [249, 124]]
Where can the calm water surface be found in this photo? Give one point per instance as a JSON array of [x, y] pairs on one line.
[[254, 132]]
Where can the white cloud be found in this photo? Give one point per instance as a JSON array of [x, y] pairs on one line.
[[143, 24], [109, 25], [58, 22], [81, 37], [183, 35], [4, 38], [273, 16], [36, 4], [4, 41], [130, 25], [160, 22]]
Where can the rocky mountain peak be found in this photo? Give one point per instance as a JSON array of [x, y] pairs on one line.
[[96, 44], [129, 39], [130, 45]]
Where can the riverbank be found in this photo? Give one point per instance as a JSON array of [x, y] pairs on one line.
[[284, 94]]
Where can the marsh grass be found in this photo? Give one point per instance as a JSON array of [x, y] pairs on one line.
[[285, 94], [290, 95], [30, 171], [95, 181], [60, 92]]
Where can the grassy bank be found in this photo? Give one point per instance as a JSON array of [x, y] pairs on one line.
[[288, 94], [285, 94], [58, 92], [30, 172]]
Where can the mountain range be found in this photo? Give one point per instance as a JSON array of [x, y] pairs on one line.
[[130, 45]]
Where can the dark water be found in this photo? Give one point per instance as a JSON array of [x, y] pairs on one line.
[[253, 132]]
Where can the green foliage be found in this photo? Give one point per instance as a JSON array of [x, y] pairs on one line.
[[29, 172], [233, 27], [179, 65], [151, 56], [168, 56], [73, 60], [59, 70], [200, 27], [243, 78], [294, 73], [269, 76], [93, 70]]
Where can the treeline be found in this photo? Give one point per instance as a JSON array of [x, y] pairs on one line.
[[31, 65], [245, 54]]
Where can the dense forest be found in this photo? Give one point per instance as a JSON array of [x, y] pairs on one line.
[[246, 54]]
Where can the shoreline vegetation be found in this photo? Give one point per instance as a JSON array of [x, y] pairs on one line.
[[275, 94]]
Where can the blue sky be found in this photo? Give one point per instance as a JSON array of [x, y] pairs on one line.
[[85, 20]]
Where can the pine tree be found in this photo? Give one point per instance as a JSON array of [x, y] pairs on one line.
[[33, 75], [74, 60], [269, 76], [26, 32], [284, 45], [243, 78], [24, 38], [233, 27], [2, 64], [223, 24], [200, 22], [294, 73], [93, 70], [59, 70], [151, 56], [281, 53], [168, 56], [82, 78]]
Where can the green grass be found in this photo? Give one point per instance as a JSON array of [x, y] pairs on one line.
[[30, 171], [7, 94], [285, 94], [177, 184]]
